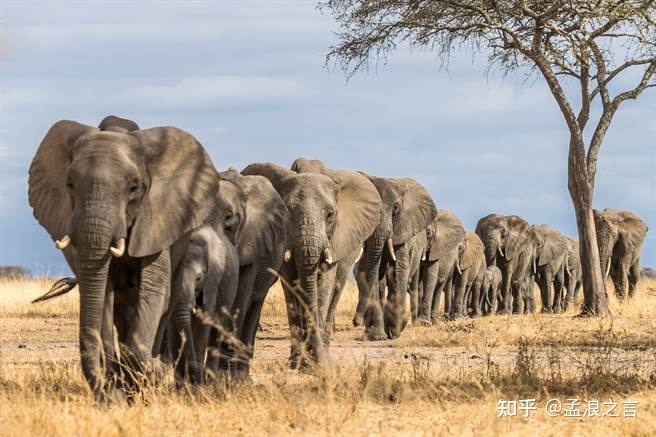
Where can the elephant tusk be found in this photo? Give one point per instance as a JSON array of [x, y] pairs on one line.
[[390, 247], [458, 267], [607, 268], [359, 254], [501, 252], [119, 250], [423, 256], [288, 255], [63, 243], [535, 269], [328, 256]]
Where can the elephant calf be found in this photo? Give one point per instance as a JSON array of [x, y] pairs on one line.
[[491, 290], [207, 278]]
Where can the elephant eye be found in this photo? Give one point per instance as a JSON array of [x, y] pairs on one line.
[[330, 215], [69, 185]]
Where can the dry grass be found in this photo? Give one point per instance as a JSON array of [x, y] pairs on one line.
[[446, 379]]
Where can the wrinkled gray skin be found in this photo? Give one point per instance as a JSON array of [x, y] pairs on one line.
[[620, 235], [146, 187], [445, 239], [407, 210], [251, 213], [468, 278], [491, 290], [331, 214], [207, 279], [573, 272], [418, 245], [550, 267], [508, 245]]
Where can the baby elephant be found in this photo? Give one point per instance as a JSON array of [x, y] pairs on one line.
[[490, 293], [207, 279]]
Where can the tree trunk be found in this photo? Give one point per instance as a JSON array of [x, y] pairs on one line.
[[580, 189]]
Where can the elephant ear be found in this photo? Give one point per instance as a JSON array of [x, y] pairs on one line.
[[47, 192], [358, 211], [117, 124], [473, 250], [302, 165], [447, 233], [633, 229], [554, 246], [273, 172], [265, 219], [518, 232], [181, 195], [417, 210]]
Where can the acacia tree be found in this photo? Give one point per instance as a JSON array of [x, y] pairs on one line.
[[586, 46]]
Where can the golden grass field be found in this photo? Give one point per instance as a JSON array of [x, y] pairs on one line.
[[446, 379]]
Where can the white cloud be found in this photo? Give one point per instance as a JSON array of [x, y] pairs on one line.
[[217, 91]]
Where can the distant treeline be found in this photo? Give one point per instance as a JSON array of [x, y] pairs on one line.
[[649, 272], [13, 272]]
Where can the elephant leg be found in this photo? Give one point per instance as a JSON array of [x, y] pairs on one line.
[[559, 290], [395, 307], [108, 356], [153, 296], [363, 293], [326, 287], [340, 281], [448, 298], [506, 285], [429, 276], [476, 298], [413, 288], [231, 354], [621, 280], [571, 286], [634, 277], [545, 293], [529, 297], [459, 296], [374, 323]]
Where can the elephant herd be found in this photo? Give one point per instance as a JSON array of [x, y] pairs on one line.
[[174, 259]]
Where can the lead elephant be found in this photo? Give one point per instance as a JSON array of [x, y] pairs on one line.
[[407, 210], [115, 201], [331, 214], [445, 237], [251, 213], [507, 241], [549, 267], [573, 272], [620, 235]]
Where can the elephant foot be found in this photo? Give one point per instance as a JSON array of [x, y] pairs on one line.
[[503, 312], [546, 311], [358, 319], [375, 335], [422, 321], [475, 315]]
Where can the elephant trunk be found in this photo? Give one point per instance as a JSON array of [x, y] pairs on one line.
[[492, 247], [185, 286], [93, 235], [308, 249]]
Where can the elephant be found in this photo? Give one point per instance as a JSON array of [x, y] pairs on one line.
[[407, 210], [331, 215], [573, 272], [620, 235], [468, 278], [508, 245], [549, 267], [253, 216], [114, 201], [490, 291], [302, 165], [207, 276], [445, 237]]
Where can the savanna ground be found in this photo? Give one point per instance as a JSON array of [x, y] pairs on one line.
[[446, 379]]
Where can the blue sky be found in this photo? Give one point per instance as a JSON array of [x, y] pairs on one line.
[[247, 78]]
